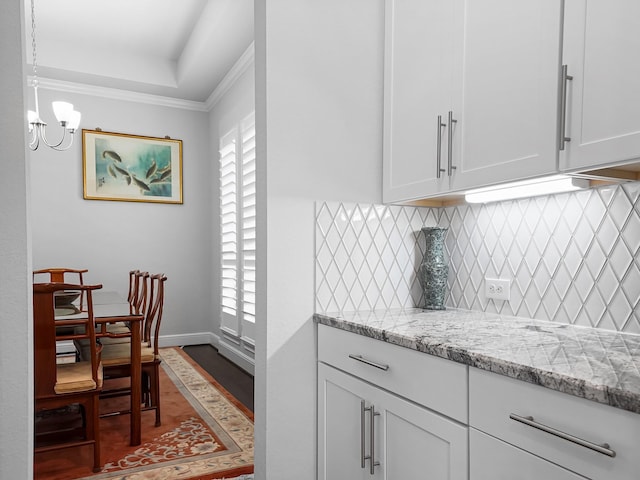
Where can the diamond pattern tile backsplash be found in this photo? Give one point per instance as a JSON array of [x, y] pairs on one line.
[[571, 258]]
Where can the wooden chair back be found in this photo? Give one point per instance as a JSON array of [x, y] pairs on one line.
[[57, 386], [153, 317], [62, 275], [138, 291], [45, 328]]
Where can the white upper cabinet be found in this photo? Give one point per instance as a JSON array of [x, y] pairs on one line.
[[506, 104], [489, 70], [601, 51], [418, 88]]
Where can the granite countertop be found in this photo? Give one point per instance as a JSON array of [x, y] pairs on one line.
[[596, 364]]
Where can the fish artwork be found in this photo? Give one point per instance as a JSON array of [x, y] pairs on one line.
[[121, 170], [152, 169], [140, 184], [111, 171], [111, 154], [165, 174]]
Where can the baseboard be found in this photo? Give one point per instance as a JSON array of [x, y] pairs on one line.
[[231, 352], [200, 338], [244, 361]]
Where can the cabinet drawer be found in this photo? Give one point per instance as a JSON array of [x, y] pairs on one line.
[[494, 399], [492, 459], [436, 383]]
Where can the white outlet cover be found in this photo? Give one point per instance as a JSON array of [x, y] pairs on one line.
[[497, 288]]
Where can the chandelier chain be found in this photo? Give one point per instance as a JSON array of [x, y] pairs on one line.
[[33, 40]]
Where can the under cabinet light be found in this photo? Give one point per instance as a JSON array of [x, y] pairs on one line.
[[526, 188]]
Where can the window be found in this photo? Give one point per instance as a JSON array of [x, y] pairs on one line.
[[238, 233]]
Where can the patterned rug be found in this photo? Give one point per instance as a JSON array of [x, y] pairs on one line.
[[205, 434]]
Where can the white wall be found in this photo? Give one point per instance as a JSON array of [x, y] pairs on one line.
[[234, 105], [110, 238], [16, 352], [319, 118]]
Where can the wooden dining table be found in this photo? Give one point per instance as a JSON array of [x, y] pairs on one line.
[[111, 308]]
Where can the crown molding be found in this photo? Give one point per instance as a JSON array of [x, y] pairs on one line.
[[118, 94], [244, 62]]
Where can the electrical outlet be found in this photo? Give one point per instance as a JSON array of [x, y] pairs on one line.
[[497, 288]]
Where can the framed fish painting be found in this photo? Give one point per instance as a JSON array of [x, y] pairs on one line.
[[131, 168]]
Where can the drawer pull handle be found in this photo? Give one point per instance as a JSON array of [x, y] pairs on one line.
[[451, 167], [563, 108], [363, 455], [372, 441], [439, 169], [603, 449], [360, 358]]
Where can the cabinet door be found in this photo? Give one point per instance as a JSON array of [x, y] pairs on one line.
[[418, 47], [507, 78], [492, 459], [340, 441], [419, 444], [408, 442], [602, 54]]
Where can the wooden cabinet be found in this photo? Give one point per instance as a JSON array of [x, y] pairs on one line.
[[588, 438], [600, 50], [470, 94], [360, 422]]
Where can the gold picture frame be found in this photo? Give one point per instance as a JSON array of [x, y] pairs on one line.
[[131, 168]]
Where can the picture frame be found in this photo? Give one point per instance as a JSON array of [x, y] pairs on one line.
[[131, 168]]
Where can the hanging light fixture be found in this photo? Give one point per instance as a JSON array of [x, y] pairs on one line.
[[68, 118]]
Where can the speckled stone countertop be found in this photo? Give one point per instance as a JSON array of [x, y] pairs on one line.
[[596, 364]]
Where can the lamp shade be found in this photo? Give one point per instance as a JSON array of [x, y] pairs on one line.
[[74, 120], [62, 111], [32, 116]]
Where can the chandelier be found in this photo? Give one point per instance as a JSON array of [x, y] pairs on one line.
[[68, 118]]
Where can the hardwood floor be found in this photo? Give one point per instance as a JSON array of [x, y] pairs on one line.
[[238, 382]]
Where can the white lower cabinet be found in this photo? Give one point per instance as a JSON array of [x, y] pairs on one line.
[[401, 440], [392, 413], [593, 440], [493, 459]]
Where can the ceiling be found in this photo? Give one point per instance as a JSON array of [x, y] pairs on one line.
[[174, 48]]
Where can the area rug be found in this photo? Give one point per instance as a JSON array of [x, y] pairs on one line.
[[205, 434]]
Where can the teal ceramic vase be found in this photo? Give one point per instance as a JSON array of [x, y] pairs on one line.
[[434, 269]]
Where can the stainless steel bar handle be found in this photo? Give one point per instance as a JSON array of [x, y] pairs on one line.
[[563, 108], [372, 440], [439, 169], [360, 358], [450, 165], [363, 455], [603, 449]]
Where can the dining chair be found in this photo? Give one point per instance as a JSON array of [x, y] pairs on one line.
[[62, 275], [138, 301], [62, 385], [116, 357]]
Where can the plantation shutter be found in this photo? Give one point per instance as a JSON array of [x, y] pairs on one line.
[[248, 232], [238, 233], [228, 226]]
